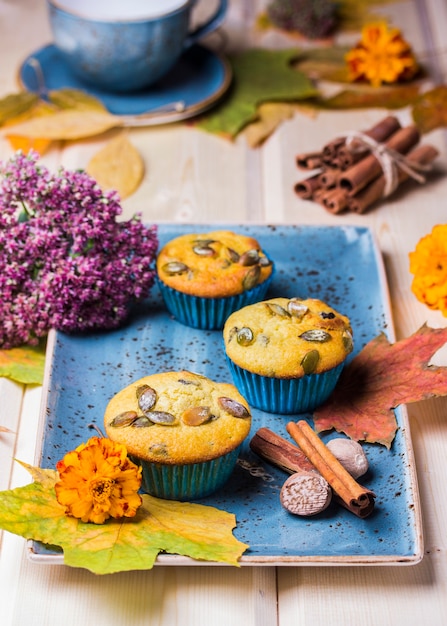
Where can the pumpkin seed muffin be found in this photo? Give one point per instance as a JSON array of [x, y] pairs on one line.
[[184, 429], [286, 354], [205, 277]]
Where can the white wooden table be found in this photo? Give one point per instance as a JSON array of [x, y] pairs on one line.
[[195, 177]]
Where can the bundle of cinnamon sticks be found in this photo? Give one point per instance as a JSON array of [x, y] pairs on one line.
[[349, 174]]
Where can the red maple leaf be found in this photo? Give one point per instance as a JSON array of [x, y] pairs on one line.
[[380, 378]]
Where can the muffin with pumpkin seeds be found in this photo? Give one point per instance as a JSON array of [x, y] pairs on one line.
[[204, 277], [184, 429], [286, 354]]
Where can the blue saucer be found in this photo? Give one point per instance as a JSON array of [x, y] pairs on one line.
[[198, 80]]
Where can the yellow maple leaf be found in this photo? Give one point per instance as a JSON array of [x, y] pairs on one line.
[[69, 124], [117, 166], [194, 530]]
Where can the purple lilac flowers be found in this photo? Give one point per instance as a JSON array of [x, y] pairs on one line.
[[65, 261]]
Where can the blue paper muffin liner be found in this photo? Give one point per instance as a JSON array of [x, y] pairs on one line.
[[187, 482], [285, 395], [209, 313]]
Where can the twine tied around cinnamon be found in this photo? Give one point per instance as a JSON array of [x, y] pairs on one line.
[[390, 160]]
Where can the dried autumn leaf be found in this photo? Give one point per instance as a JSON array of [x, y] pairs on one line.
[[270, 116], [18, 142], [430, 110], [46, 477], [16, 104], [25, 364], [67, 125], [194, 530], [117, 166], [380, 378], [258, 76], [75, 99], [366, 98], [323, 63]]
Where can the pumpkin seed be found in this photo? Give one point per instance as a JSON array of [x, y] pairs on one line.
[[174, 268], [245, 336], [234, 408], [234, 256], [142, 422], [263, 340], [264, 261], [159, 449], [316, 335], [278, 309], [310, 361], [184, 381], [250, 257], [202, 248], [348, 341], [232, 333], [296, 308], [197, 415], [251, 278], [124, 419], [147, 397], [162, 417], [203, 242]]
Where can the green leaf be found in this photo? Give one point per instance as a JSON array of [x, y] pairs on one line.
[[25, 364], [258, 76], [183, 528], [15, 104]]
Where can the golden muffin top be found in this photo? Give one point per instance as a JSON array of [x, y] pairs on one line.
[[178, 418], [220, 263], [287, 337]]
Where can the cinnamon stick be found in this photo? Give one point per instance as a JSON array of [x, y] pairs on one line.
[[280, 452], [351, 153], [342, 155], [369, 168], [334, 200], [306, 188], [421, 155], [353, 496], [330, 150], [309, 161], [329, 178]]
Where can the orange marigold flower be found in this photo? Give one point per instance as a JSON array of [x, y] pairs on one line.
[[381, 56], [428, 264], [98, 481]]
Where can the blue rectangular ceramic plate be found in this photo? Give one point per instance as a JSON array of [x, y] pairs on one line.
[[341, 265]]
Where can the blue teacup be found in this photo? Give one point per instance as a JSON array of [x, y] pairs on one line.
[[125, 45]]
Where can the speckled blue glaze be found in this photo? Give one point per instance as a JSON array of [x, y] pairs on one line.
[[337, 264], [125, 55], [198, 79]]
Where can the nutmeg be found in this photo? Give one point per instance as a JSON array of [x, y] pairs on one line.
[[350, 454], [305, 493]]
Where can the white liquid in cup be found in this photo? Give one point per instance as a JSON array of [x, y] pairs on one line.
[[113, 10]]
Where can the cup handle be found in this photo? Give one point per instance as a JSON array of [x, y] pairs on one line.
[[209, 26]]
